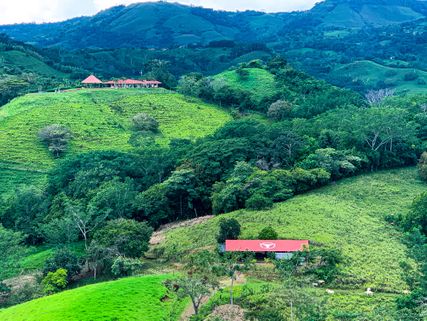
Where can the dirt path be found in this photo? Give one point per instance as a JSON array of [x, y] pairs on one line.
[[159, 236]]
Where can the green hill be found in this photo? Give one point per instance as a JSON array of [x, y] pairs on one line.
[[371, 73], [98, 120], [24, 69], [348, 215], [138, 298], [259, 82]]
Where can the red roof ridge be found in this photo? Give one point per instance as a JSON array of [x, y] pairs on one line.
[[91, 80], [266, 245]]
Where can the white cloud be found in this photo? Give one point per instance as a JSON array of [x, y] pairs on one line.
[[17, 11]]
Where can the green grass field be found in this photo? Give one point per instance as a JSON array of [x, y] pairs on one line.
[[136, 298], [11, 179], [348, 215], [259, 82], [98, 120]]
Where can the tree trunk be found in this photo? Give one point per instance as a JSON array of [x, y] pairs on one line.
[[195, 306]]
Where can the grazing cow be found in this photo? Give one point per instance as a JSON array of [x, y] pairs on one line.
[[369, 292], [329, 291]]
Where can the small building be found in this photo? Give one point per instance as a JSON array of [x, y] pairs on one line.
[[92, 81], [133, 83], [283, 249]]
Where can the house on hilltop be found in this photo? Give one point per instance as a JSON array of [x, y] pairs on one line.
[[92, 81]]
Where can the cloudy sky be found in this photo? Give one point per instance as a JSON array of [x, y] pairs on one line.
[[16, 11]]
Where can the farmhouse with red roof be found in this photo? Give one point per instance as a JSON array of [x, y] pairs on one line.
[[92, 81], [283, 249]]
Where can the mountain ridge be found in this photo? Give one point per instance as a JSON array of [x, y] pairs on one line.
[[164, 24]]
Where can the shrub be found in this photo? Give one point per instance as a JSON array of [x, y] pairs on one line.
[[145, 123], [258, 202], [123, 266], [229, 229], [279, 110], [129, 237], [63, 259], [268, 233], [422, 166], [417, 216], [56, 137], [55, 281]]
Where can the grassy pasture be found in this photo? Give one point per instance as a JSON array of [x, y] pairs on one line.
[[136, 298], [98, 120], [10, 179], [348, 215], [259, 82]]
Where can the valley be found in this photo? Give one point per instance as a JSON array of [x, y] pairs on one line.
[[236, 166]]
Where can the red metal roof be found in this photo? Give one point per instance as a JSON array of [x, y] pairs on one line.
[[265, 245], [91, 80], [133, 82]]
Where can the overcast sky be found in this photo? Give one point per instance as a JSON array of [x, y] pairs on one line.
[[17, 11]]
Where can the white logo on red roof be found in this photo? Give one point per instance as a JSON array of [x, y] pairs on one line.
[[267, 245]]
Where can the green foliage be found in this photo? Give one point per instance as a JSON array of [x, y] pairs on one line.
[[258, 202], [123, 266], [268, 233], [279, 110], [192, 286], [144, 122], [55, 281], [128, 236], [229, 229], [56, 137], [24, 211], [63, 259], [417, 216], [11, 249], [142, 294], [422, 166]]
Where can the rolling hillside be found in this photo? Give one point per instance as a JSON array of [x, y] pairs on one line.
[[371, 73], [259, 82], [348, 215], [137, 298], [98, 120], [24, 69]]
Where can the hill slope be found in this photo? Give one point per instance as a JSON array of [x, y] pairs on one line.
[[98, 120], [24, 68], [138, 298], [347, 216]]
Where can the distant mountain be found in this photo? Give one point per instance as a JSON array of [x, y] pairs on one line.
[[162, 24], [325, 41], [363, 13]]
